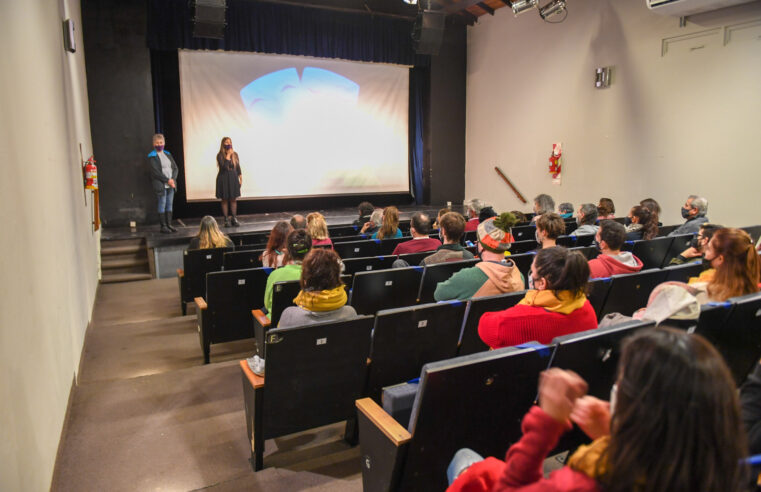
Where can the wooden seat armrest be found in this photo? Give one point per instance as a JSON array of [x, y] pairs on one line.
[[180, 272], [261, 318], [383, 421], [200, 303], [255, 380]]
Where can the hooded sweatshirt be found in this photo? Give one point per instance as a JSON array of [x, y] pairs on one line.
[[606, 265], [484, 279]]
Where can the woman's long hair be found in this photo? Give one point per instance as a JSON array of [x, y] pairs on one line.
[[276, 243], [563, 270], [647, 220], [738, 275], [390, 222], [209, 235], [221, 153], [676, 424], [316, 226]]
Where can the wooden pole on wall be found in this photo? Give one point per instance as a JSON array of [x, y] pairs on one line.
[[510, 184]]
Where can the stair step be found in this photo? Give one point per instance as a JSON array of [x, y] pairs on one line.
[[123, 263], [124, 277], [107, 250]]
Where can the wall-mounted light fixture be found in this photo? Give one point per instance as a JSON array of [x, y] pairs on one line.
[[521, 6], [602, 77], [555, 7]]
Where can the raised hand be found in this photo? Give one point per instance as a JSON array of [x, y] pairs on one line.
[[558, 392], [592, 415]]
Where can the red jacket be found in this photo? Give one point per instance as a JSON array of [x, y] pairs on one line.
[[416, 246], [471, 225], [522, 323], [522, 468], [606, 265]]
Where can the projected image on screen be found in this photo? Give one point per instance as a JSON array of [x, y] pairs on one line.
[[301, 126]]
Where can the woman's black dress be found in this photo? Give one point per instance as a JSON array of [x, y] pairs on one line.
[[228, 185]]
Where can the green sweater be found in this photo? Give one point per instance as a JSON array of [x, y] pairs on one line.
[[282, 274]]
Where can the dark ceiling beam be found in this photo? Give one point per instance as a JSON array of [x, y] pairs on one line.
[[453, 8], [486, 8], [470, 19]]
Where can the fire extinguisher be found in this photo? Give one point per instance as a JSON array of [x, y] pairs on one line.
[[91, 174]]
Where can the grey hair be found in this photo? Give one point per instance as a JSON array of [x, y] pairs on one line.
[[476, 205], [377, 217], [566, 208], [545, 202], [590, 213], [699, 203], [158, 136]]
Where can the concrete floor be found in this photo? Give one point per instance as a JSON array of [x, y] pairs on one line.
[[147, 414]]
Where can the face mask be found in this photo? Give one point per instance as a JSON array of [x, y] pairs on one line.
[[538, 237], [613, 396], [685, 213], [228, 146], [707, 263], [695, 243], [628, 221], [159, 148], [596, 244], [578, 220]]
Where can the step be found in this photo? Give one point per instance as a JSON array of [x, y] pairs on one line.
[[124, 277], [108, 250], [113, 263]]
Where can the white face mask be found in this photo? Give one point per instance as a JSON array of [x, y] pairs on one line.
[[613, 396]]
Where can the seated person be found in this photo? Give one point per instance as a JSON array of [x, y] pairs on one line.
[[606, 209], [438, 217], [736, 267], [298, 222], [642, 224], [274, 252], [565, 210], [209, 236], [697, 246], [451, 229], [365, 209], [371, 226], [750, 400], [549, 227], [556, 306], [694, 210], [486, 213], [298, 243], [474, 208], [495, 274], [520, 217], [586, 219], [420, 227], [323, 296], [654, 207], [318, 230], [696, 443], [542, 204], [611, 260], [389, 225]]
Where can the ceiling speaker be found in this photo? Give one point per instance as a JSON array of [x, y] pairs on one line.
[[209, 18], [428, 32]]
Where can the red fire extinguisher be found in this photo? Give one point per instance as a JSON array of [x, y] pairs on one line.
[[91, 174]]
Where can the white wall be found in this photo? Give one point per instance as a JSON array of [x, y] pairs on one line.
[[669, 126], [48, 253]]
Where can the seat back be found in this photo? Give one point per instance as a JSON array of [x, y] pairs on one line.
[[679, 244], [630, 292], [354, 265], [387, 246], [230, 297], [385, 289], [521, 233], [589, 252], [342, 231], [283, 294], [585, 240], [470, 341], [566, 241], [652, 252], [666, 230], [439, 272], [314, 374], [570, 225], [414, 259], [523, 262], [523, 246], [239, 260], [476, 401], [196, 263], [356, 249], [683, 273], [753, 231], [405, 339]]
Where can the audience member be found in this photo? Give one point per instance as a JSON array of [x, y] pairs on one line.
[[565, 210], [611, 260], [298, 245], [298, 221], [549, 227], [441, 212], [451, 229], [731, 254], [694, 210], [420, 227], [365, 209], [606, 209], [519, 216], [642, 224], [586, 219], [209, 236], [542, 204], [697, 246], [274, 253], [556, 306], [654, 207], [323, 296], [474, 208], [318, 230], [486, 213], [371, 226], [495, 274], [750, 401], [389, 226], [672, 424]]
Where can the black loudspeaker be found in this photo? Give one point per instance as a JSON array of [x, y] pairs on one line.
[[428, 32], [209, 18]]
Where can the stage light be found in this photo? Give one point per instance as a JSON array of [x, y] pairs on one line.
[[552, 9], [521, 6], [410, 2]]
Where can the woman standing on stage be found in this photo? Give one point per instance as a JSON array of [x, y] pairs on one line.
[[229, 180]]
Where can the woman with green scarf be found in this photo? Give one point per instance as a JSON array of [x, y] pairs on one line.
[[323, 296]]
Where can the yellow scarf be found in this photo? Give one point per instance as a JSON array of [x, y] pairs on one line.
[[563, 303], [586, 457], [323, 300], [705, 276]]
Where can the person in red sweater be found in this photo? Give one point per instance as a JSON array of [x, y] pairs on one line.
[[556, 306], [673, 423], [474, 208], [420, 227], [611, 260]]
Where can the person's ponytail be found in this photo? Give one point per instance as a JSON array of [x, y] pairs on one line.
[[563, 269]]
